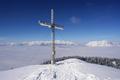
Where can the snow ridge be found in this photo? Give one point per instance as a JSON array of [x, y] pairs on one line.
[[70, 69], [66, 71]]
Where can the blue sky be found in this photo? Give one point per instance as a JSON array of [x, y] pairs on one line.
[[83, 20]]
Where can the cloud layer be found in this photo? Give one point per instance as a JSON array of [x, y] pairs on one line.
[[16, 54]]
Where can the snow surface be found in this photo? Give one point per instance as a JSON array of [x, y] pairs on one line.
[[70, 69]]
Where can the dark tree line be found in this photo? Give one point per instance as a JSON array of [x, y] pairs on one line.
[[112, 62]]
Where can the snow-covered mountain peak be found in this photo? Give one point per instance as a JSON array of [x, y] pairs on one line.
[[70, 69], [64, 70], [102, 43]]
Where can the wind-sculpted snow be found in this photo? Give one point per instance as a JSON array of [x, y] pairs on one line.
[[71, 69], [67, 70]]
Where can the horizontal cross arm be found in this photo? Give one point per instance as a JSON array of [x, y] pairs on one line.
[[49, 25], [42, 23], [57, 27]]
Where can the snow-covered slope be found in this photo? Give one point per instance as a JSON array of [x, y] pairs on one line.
[[71, 69]]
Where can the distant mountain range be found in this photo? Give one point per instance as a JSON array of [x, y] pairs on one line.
[[102, 43], [38, 43]]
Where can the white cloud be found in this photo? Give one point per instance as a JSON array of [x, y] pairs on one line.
[[75, 20]]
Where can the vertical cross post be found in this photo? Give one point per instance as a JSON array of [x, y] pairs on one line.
[[53, 37]]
